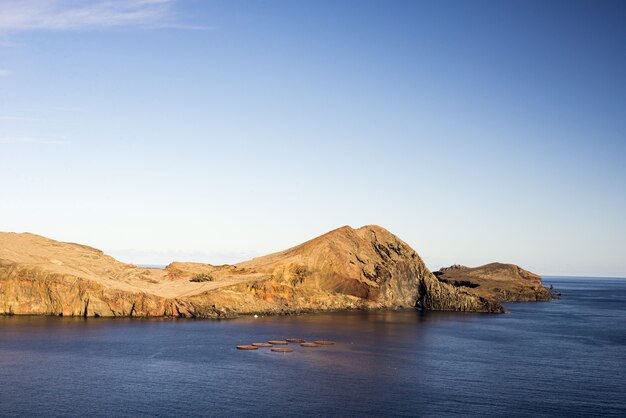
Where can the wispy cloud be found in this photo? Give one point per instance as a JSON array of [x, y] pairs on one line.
[[4, 73], [27, 140], [24, 15]]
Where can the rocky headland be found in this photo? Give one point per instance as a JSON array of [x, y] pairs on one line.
[[364, 268], [497, 281]]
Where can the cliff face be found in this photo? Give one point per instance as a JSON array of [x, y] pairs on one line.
[[346, 268], [496, 281]]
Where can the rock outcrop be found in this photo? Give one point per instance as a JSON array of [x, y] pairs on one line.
[[496, 281], [365, 268]]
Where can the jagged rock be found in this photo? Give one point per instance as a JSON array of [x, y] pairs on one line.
[[496, 281], [365, 268]]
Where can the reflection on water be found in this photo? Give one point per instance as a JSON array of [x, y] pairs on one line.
[[563, 358]]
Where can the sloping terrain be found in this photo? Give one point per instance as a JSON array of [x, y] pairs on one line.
[[347, 268], [497, 281]]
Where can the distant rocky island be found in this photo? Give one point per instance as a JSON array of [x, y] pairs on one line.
[[497, 281], [364, 268]]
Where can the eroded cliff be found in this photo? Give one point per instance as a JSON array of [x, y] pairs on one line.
[[365, 268], [496, 281]]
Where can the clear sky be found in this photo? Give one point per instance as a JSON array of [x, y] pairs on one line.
[[214, 131]]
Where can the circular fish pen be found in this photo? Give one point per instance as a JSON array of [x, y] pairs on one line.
[[295, 340], [309, 345], [282, 349], [262, 344], [246, 347], [278, 342], [324, 342]]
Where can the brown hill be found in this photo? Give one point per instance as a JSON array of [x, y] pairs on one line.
[[346, 268], [496, 281]]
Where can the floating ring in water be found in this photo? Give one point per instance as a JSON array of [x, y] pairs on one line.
[[282, 349]]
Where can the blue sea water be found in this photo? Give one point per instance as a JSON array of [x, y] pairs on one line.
[[560, 358]]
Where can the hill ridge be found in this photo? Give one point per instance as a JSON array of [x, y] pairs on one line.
[[345, 268]]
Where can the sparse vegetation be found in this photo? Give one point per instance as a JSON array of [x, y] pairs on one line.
[[300, 273], [200, 278]]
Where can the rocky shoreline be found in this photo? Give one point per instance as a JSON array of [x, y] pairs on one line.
[[345, 269], [497, 281]]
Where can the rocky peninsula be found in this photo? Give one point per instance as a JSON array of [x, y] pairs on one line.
[[364, 268], [497, 281]]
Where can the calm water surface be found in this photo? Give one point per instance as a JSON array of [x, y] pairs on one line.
[[563, 358]]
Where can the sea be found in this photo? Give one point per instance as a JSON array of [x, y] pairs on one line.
[[565, 358]]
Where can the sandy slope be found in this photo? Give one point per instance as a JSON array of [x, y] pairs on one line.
[[346, 268]]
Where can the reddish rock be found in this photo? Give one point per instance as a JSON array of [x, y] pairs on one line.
[[365, 268], [496, 281]]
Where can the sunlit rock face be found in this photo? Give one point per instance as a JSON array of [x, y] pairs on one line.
[[365, 268], [497, 281]]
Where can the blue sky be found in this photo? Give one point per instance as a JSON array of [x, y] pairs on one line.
[[220, 130]]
